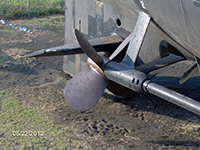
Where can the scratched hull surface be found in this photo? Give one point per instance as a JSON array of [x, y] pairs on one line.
[[180, 19]]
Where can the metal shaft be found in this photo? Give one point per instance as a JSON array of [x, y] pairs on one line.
[[172, 96], [137, 81]]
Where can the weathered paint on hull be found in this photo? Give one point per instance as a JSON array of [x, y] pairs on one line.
[[180, 19]]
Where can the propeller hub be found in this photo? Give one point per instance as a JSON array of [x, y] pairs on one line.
[[92, 64]]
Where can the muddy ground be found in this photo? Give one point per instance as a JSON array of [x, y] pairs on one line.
[[142, 122]]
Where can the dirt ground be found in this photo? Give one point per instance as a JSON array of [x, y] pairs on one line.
[[143, 122]]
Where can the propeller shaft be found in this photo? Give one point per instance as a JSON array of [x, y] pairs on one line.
[[138, 81]]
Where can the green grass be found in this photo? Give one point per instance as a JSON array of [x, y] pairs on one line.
[[54, 23], [23, 127], [19, 8]]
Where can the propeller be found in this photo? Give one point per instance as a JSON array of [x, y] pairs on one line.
[[88, 49], [84, 90]]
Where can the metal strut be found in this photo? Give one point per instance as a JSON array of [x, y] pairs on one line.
[[138, 35]]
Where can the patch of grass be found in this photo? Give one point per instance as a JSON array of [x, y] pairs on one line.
[[52, 23], [25, 127], [7, 32], [18, 8]]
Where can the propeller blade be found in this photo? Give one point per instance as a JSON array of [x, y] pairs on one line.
[[88, 49], [84, 90]]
